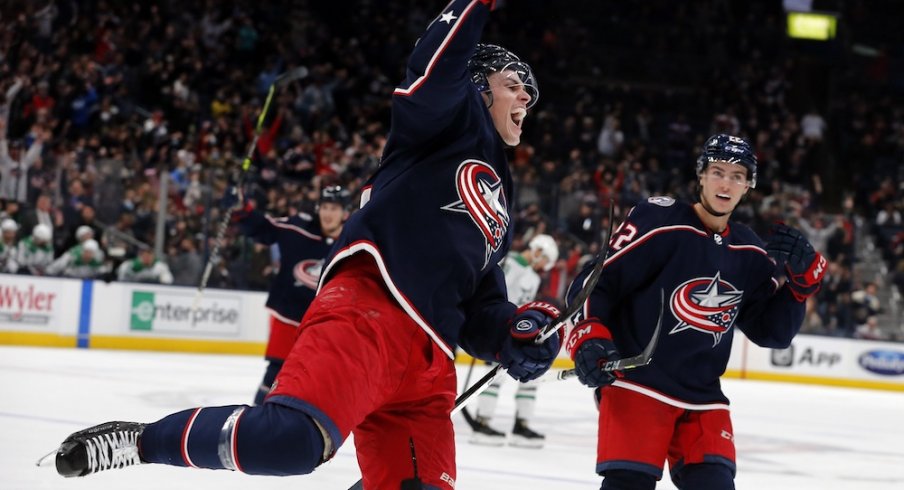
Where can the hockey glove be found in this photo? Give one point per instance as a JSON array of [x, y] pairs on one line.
[[590, 347], [234, 201], [523, 359], [803, 265]]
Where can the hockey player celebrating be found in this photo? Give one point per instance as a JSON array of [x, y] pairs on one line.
[[716, 274], [522, 282], [303, 243], [414, 274]]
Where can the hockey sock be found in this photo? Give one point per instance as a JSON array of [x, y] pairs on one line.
[[269, 376], [486, 402], [704, 476], [628, 480], [525, 400], [269, 439]]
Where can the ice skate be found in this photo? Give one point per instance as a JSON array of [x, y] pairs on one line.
[[523, 436], [485, 435], [98, 448]]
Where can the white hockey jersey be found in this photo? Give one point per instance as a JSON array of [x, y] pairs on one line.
[[521, 281]]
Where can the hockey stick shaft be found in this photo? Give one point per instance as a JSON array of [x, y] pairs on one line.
[[280, 81], [553, 326], [464, 411]]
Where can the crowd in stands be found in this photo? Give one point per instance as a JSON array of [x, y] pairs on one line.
[[100, 100]]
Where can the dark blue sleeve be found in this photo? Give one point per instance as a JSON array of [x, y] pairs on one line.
[[259, 227], [487, 315], [437, 80], [774, 321], [634, 259]]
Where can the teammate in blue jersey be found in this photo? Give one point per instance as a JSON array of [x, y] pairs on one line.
[[413, 275], [716, 275], [303, 243]]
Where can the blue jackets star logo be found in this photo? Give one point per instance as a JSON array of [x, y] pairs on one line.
[[709, 305], [480, 196]]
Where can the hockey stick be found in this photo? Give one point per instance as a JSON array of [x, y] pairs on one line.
[[280, 81], [642, 359], [554, 325]]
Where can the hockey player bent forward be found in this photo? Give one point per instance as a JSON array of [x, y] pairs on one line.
[[716, 274], [413, 274]]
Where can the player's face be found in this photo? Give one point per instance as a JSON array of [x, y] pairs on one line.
[[331, 215], [723, 185], [509, 107], [539, 262]]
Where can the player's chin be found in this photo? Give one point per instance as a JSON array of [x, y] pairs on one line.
[[512, 138]]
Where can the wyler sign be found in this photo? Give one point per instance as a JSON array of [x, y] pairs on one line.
[[24, 303], [168, 311]]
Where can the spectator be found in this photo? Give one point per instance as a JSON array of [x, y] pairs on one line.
[[14, 167], [187, 263], [865, 303]]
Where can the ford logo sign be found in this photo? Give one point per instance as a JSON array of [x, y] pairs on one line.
[[884, 362]]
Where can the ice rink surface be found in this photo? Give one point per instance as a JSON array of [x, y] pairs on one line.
[[788, 436]]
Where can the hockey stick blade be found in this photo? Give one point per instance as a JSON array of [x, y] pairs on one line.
[[637, 361]]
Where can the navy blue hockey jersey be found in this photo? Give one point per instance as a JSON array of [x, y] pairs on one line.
[[712, 283], [435, 216], [302, 249]]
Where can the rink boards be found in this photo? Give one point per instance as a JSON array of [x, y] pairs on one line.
[[61, 312]]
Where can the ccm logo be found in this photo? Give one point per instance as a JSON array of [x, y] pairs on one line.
[[819, 267]]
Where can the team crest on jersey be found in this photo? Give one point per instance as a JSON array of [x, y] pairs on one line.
[[706, 304], [307, 273], [481, 196]]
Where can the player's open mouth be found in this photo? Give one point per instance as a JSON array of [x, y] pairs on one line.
[[724, 197], [518, 116]]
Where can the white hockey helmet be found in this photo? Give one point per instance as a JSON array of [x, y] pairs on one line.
[[42, 232], [9, 225], [91, 245], [547, 247], [82, 231]]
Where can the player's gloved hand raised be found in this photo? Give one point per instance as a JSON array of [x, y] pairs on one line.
[[590, 346], [803, 265], [520, 356]]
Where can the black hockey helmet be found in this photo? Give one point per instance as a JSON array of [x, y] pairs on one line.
[[730, 149], [336, 194], [490, 58]]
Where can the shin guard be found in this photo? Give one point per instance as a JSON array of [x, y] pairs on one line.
[[268, 439]]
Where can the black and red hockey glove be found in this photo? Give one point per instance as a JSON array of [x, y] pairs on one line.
[[234, 201], [803, 265], [590, 346], [520, 356]]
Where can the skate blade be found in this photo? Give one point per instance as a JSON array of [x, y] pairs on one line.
[[46, 460]]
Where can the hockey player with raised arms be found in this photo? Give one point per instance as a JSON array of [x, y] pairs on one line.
[[413, 275], [716, 275]]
